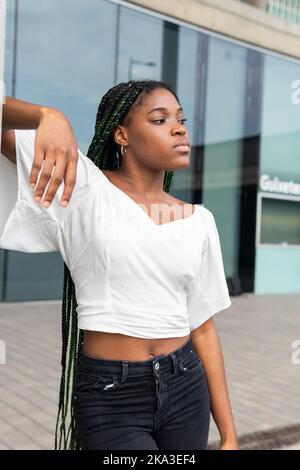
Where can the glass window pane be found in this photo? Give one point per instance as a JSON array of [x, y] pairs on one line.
[[9, 47], [139, 52], [68, 62], [280, 128], [280, 221], [224, 133], [188, 40]]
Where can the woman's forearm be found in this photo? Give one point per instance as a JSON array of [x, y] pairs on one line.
[[18, 114], [208, 347]]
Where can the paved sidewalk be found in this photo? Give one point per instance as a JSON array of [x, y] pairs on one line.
[[257, 332]]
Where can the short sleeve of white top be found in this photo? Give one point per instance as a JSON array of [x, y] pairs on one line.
[[24, 224], [132, 276]]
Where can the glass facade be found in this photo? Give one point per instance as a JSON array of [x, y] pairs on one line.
[[237, 101]]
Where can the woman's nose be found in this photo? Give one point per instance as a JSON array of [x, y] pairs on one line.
[[179, 129]]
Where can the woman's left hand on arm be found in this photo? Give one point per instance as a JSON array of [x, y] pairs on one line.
[[55, 146]]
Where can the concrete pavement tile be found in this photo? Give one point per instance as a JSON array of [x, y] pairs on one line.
[[15, 439], [7, 411], [31, 446], [293, 447], [4, 446], [41, 415], [5, 428], [46, 441], [29, 428]]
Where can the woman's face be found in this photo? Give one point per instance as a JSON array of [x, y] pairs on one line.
[[152, 133]]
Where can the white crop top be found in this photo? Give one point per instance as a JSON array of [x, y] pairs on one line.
[[131, 275]]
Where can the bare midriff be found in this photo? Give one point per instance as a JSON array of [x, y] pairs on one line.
[[115, 346]]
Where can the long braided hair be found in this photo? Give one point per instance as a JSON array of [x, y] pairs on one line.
[[104, 152]]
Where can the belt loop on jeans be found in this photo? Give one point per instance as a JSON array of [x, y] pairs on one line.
[[174, 360], [124, 371]]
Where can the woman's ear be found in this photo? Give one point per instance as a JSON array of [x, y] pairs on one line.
[[120, 135]]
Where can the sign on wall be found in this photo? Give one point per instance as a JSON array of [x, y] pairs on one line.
[[276, 185]]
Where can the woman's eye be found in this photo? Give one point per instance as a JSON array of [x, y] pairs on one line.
[[162, 120]]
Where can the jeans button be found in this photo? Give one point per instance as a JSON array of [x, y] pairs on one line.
[[156, 366]]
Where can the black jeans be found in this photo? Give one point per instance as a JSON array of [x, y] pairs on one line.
[[161, 403]]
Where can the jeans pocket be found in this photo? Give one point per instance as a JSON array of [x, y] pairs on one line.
[[88, 383]]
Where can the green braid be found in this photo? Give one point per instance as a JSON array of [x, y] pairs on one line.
[[104, 152]]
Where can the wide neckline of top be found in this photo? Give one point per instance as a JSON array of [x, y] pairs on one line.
[[131, 201]]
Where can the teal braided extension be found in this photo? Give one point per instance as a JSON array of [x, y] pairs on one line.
[[112, 111]]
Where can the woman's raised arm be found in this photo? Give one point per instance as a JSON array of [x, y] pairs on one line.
[[55, 144]]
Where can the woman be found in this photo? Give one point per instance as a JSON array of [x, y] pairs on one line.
[[145, 286]]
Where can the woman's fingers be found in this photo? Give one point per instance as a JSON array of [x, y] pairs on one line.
[[57, 167], [45, 175], [65, 169], [36, 166], [70, 177], [57, 176]]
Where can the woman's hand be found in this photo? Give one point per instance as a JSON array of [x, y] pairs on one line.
[[207, 344], [230, 445], [56, 145]]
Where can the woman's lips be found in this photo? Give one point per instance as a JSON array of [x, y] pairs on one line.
[[182, 148]]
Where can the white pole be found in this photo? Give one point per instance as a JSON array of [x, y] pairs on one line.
[[2, 42]]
